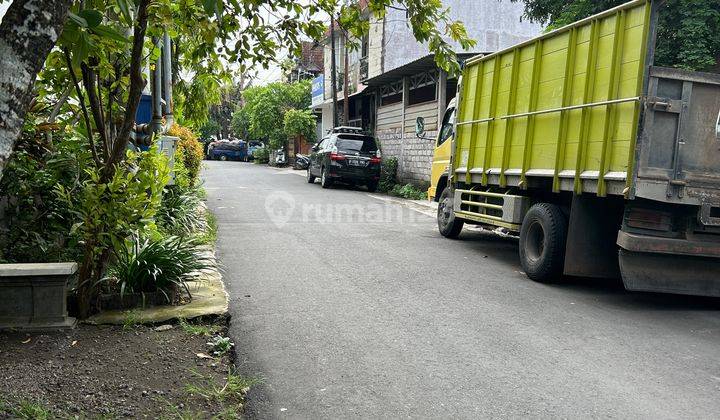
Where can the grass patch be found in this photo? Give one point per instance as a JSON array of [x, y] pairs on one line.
[[209, 236], [131, 319], [232, 391], [25, 409], [408, 191], [197, 329]]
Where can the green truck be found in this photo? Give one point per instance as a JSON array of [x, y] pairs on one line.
[[603, 164]]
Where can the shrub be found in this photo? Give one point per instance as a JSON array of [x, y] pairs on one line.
[[388, 174], [180, 212], [261, 155], [165, 265], [408, 191], [37, 223], [189, 151]]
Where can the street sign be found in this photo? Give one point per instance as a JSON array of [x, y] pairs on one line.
[[318, 90]]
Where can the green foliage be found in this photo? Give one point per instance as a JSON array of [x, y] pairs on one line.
[[300, 122], [388, 174], [687, 29], [209, 236], [107, 213], [189, 152], [180, 213], [198, 329], [25, 409], [37, 224], [240, 123], [267, 105], [131, 319], [408, 191], [261, 155], [164, 265], [209, 129], [220, 345], [233, 390]]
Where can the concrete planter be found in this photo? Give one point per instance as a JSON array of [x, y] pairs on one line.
[[34, 296], [110, 302]]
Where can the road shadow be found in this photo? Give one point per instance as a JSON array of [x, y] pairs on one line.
[[608, 291]]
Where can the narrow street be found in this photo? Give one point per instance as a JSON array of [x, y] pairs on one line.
[[350, 306]]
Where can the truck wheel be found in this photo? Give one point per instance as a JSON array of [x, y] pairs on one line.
[[223, 158], [372, 186], [542, 242], [325, 182], [449, 225], [310, 177]]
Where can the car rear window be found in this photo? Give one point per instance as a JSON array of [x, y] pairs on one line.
[[355, 144]]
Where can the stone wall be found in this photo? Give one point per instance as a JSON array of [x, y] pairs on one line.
[[414, 155]]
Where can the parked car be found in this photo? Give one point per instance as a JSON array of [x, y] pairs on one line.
[[345, 155], [228, 150]]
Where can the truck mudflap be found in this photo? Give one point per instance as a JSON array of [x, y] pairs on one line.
[[665, 265], [663, 273]]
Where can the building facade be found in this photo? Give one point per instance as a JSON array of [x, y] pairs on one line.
[[406, 82], [393, 79]]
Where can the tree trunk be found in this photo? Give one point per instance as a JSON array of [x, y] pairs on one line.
[[28, 32]]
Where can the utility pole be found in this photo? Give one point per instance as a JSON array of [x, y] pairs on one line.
[[333, 70], [346, 105]]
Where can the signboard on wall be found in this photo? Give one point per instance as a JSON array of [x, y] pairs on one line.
[[318, 90]]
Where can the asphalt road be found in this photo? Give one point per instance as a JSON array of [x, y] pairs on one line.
[[348, 306]]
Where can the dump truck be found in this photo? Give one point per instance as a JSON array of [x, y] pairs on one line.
[[602, 164]]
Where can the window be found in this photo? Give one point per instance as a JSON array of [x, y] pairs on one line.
[[356, 144], [327, 144], [447, 126], [423, 87], [321, 144], [391, 93], [422, 94], [392, 99]]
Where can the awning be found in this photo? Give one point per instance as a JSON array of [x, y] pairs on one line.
[[414, 67]]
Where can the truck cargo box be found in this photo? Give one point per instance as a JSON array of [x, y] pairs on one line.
[[580, 109]]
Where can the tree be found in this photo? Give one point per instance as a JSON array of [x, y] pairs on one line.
[[300, 123], [240, 123], [28, 32], [687, 29], [266, 107]]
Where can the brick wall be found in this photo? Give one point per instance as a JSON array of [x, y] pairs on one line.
[[414, 155]]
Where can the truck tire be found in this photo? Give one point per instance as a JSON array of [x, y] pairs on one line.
[[325, 181], [310, 177], [448, 225], [223, 158], [372, 186], [542, 242]]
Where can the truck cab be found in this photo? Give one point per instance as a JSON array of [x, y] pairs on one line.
[[442, 152]]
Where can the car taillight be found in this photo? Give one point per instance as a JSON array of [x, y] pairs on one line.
[[375, 159], [336, 156]]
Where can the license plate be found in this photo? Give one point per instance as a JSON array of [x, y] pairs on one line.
[[355, 162]]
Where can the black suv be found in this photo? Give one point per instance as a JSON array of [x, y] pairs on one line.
[[345, 155]]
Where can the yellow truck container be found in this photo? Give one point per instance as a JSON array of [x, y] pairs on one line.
[[577, 144]]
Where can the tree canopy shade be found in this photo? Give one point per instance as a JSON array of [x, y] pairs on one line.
[[687, 29]]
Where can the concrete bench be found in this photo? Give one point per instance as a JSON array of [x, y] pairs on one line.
[[34, 296]]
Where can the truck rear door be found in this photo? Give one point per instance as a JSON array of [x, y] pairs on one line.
[[680, 151]]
